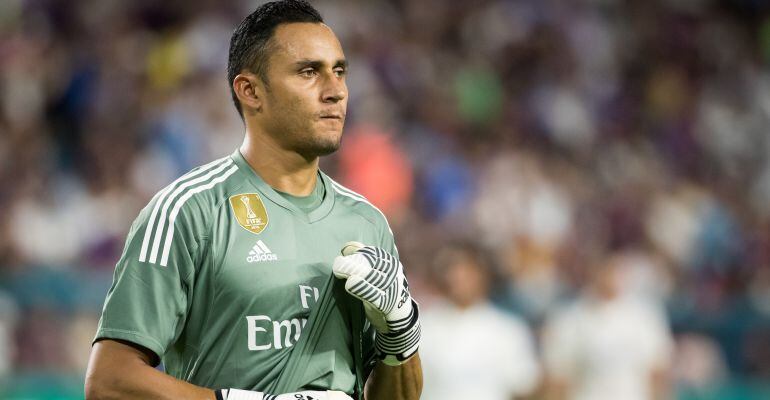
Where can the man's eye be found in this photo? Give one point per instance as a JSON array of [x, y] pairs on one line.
[[340, 72], [308, 73]]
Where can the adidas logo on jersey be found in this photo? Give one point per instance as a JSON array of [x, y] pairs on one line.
[[260, 253]]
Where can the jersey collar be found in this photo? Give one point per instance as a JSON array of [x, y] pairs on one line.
[[275, 197]]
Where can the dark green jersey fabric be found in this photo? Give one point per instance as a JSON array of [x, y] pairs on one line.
[[220, 272]]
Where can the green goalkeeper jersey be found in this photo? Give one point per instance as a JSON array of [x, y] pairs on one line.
[[220, 272]]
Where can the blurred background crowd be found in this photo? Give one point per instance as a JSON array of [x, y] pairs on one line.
[[580, 190]]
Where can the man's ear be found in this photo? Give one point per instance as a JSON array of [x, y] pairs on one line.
[[250, 91]]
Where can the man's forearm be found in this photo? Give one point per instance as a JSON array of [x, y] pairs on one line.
[[117, 371], [403, 382]]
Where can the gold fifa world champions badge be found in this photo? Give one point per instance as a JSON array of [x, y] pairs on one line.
[[249, 211]]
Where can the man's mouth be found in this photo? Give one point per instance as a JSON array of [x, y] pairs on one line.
[[332, 116]]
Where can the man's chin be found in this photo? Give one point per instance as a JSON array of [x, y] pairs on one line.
[[326, 150], [321, 148]]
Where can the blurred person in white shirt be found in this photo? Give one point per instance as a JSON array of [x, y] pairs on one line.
[[472, 350], [607, 344]]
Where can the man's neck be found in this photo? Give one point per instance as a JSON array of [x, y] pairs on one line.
[[283, 170]]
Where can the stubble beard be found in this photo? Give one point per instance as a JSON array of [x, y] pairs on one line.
[[311, 142], [300, 134], [312, 146], [304, 139]]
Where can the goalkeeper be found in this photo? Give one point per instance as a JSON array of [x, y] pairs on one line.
[[232, 275]]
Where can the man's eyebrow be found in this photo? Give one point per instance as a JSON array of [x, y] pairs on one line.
[[317, 64]]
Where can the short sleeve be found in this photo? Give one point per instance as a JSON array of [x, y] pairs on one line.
[[148, 301]]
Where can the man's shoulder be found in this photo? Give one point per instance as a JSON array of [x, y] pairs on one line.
[[355, 202], [198, 192]]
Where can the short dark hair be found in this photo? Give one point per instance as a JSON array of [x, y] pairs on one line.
[[249, 43]]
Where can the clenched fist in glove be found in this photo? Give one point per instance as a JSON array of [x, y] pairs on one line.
[[377, 278]]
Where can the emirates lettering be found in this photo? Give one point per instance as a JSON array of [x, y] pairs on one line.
[[266, 334]]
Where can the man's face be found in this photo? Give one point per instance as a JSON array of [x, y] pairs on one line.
[[305, 100]]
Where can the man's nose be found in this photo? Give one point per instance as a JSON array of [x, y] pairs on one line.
[[335, 91]]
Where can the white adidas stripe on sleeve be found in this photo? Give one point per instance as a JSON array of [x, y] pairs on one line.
[[171, 199], [180, 203], [162, 197]]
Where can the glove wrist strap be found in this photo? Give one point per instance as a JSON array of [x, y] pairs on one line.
[[395, 348]]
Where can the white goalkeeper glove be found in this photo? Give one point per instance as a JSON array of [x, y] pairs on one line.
[[237, 394], [377, 279]]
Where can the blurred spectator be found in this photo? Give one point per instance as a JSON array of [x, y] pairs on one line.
[[8, 320], [471, 349], [700, 367], [607, 344], [372, 164]]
